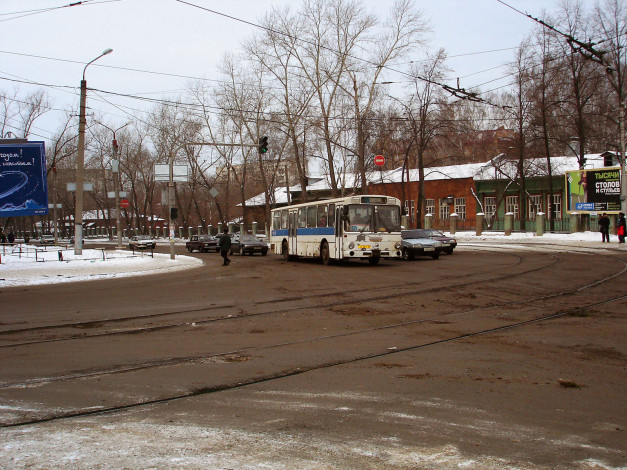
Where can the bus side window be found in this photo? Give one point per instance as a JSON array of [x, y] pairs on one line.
[[331, 215], [276, 222], [283, 219], [311, 216], [302, 217], [322, 216]]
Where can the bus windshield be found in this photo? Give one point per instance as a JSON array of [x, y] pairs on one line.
[[371, 218]]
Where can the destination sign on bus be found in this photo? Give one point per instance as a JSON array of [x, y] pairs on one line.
[[374, 200]]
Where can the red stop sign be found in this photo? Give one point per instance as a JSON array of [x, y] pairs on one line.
[[124, 203], [379, 160]]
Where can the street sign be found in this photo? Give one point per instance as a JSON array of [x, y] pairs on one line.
[[124, 203], [379, 160], [180, 173], [213, 192]]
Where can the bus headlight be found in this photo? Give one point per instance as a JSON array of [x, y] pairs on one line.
[[397, 245], [351, 245]]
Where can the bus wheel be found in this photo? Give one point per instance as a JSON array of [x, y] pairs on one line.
[[324, 254], [374, 260], [285, 251]]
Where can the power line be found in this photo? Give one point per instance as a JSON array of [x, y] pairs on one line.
[[22, 14]]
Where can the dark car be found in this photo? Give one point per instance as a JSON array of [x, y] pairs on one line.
[[250, 244], [448, 243], [202, 243], [413, 244]]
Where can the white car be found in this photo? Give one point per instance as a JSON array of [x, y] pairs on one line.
[[141, 242]]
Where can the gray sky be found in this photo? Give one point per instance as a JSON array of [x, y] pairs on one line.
[[169, 37]]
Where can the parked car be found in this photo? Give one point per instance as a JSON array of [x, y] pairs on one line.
[[413, 244], [46, 240], [448, 243], [250, 244], [141, 242], [202, 243]]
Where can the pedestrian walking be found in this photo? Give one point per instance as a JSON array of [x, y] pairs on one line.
[[621, 229], [3, 237], [225, 246], [604, 228], [11, 237]]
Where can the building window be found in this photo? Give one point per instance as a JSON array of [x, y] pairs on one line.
[[430, 206], [534, 205], [410, 209], [511, 205], [445, 212], [460, 208], [557, 203], [489, 206]]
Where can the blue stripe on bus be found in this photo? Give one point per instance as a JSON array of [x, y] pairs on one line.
[[305, 231]]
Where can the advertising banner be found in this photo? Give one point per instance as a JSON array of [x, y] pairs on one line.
[[596, 190], [23, 186]]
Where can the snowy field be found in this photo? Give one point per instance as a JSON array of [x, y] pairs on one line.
[[29, 265]]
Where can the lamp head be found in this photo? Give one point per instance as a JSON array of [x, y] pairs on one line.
[[107, 51]]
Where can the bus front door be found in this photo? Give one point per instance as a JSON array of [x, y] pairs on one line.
[[292, 233], [338, 233]]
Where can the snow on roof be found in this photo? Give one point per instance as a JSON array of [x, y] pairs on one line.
[[499, 167]]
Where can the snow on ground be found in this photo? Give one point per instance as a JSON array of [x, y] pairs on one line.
[[41, 265], [28, 264]]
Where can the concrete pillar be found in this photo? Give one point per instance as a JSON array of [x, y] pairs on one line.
[[405, 221], [428, 220], [125, 233], [210, 229], [231, 226], [220, 229], [200, 230], [479, 223], [574, 222], [180, 232], [509, 223], [242, 229], [190, 232], [453, 223], [255, 228], [540, 224]]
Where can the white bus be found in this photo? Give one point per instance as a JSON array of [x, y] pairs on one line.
[[356, 227]]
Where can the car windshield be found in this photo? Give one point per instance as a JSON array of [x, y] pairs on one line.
[[433, 233], [413, 234], [248, 238], [143, 237], [205, 238]]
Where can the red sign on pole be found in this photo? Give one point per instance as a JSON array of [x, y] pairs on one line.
[[124, 203], [379, 160]]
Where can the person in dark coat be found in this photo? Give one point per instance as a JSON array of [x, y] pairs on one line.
[[225, 246], [604, 228], [11, 237], [621, 229]]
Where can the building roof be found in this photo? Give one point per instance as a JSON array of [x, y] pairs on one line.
[[499, 167]]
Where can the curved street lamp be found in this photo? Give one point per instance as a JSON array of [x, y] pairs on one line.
[[80, 163]]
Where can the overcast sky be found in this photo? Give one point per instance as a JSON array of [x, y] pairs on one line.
[[170, 37]]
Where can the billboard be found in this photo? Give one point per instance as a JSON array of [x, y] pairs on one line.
[[595, 190], [23, 186]]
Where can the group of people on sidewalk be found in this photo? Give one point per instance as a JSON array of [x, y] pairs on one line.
[[604, 228]]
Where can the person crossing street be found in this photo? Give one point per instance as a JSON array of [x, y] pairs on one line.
[[225, 246]]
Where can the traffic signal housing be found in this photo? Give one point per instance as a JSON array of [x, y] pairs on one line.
[[263, 144]]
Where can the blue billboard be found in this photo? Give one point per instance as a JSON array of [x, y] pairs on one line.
[[23, 185]]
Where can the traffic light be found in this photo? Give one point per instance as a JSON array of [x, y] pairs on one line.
[[263, 144], [174, 213]]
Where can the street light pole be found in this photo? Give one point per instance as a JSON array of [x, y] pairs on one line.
[[80, 163], [115, 169]]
